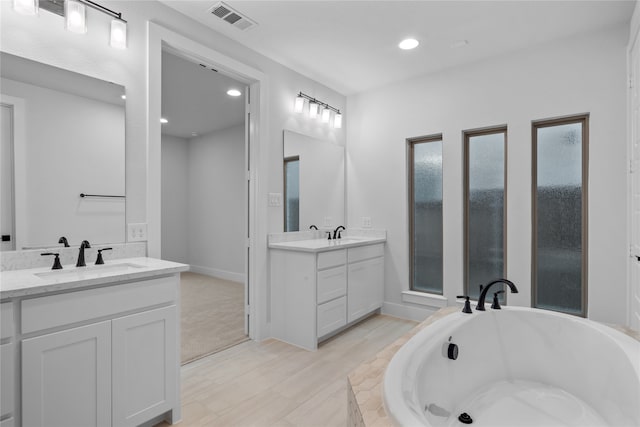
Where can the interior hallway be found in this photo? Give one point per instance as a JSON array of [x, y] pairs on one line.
[[212, 315]]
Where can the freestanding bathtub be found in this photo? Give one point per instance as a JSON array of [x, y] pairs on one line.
[[515, 367]]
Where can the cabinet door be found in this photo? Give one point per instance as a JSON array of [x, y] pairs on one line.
[[365, 287], [7, 379], [144, 365], [66, 378]]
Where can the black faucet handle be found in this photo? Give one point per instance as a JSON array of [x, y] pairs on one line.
[[467, 304], [56, 260], [99, 260], [328, 235], [496, 304]]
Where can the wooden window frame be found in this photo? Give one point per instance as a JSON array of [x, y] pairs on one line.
[[535, 125], [411, 142]]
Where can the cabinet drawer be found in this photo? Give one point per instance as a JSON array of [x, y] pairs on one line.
[[366, 252], [7, 372], [64, 309], [332, 283], [332, 258], [332, 315], [6, 320]]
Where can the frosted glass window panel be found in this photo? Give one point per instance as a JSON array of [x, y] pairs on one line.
[[485, 211], [427, 217], [292, 195], [559, 218]]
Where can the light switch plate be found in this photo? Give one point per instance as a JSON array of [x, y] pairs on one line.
[[137, 232], [366, 222], [275, 200]]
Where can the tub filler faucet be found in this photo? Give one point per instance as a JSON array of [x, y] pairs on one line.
[[484, 289]]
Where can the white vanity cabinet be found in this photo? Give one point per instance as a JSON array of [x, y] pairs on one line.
[[95, 356], [7, 365], [315, 294]]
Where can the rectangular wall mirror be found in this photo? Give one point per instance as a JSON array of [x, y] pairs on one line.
[[313, 182], [63, 135]]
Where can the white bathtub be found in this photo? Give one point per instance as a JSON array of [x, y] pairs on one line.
[[515, 367]]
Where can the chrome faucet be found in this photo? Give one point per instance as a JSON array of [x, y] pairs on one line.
[[336, 232], [484, 289], [83, 245]]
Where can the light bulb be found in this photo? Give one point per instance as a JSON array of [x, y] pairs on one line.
[[163, 120], [337, 121], [408, 44], [313, 110], [299, 105], [118, 38], [234, 92], [26, 7], [75, 15], [326, 114]]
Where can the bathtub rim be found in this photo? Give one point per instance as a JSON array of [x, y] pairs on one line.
[[437, 331]]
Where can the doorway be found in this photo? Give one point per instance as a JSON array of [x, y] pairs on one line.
[[204, 200], [7, 227]]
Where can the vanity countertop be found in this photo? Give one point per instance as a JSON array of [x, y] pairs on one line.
[[322, 245], [36, 281]]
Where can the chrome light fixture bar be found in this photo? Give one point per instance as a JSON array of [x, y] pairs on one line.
[[318, 108], [74, 13]]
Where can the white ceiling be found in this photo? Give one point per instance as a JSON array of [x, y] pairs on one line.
[[194, 98], [351, 46]]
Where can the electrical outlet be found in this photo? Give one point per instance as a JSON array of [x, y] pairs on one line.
[[328, 221], [137, 232], [275, 200], [366, 222]]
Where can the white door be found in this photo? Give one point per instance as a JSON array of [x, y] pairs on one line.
[[634, 179], [144, 365], [66, 378], [6, 180]]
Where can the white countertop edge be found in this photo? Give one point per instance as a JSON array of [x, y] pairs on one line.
[[334, 245], [21, 283]]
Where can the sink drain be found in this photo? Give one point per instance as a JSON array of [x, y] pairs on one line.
[[465, 418]]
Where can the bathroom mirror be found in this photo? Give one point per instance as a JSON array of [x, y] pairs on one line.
[[313, 182], [63, 136]]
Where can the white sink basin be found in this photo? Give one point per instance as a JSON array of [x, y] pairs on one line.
[[124, 267]]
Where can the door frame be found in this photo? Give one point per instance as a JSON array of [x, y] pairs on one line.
[[19, 168], [159, 36]]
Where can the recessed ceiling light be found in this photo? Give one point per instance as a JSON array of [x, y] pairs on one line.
[[234, 92], [163, 120], [407, 44]]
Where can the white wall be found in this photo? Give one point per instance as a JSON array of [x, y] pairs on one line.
[[216, 217], [59, 165], [203, 202], [577, 75], [175, 198]]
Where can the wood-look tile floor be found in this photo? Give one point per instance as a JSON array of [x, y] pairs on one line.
[[276, 384]]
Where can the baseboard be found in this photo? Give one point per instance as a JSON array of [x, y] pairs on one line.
[[402, 311], [220, 274]]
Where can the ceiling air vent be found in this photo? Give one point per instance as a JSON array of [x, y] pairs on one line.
[[231, 16]]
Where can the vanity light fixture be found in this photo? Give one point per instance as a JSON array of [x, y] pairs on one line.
[[74, 13], [299, 104], [234, 92], [75, 16], [314, 109], [326, 115], [26, 7]]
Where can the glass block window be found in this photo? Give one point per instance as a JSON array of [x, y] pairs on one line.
[[559, 214], [485, 208], [425, 210]]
